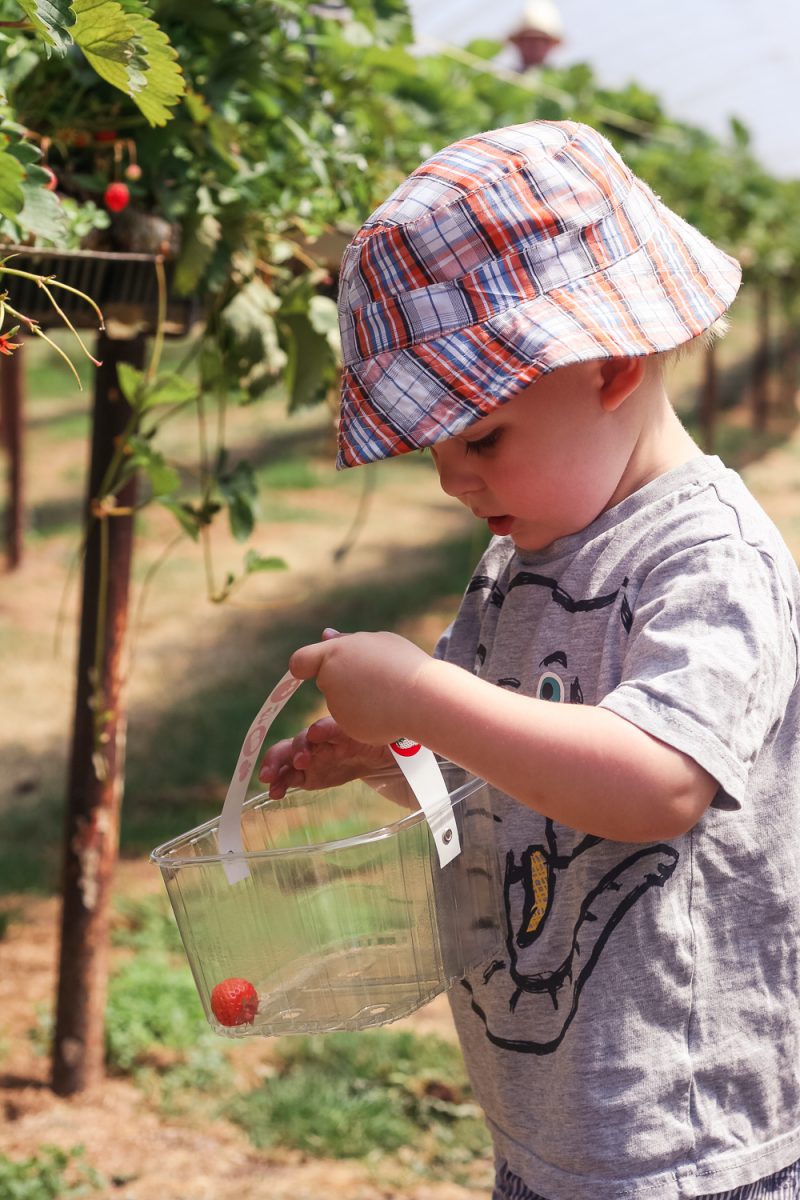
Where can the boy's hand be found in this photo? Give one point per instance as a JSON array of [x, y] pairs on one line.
[[368, 680], [317, 757]]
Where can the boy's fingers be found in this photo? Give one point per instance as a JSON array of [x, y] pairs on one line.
[[266, 773], [287, 778], [298, 744], [323, 730], [269, 772], [306, 662], [273, 760]]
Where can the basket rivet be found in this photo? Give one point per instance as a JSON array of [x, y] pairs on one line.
[[447, 837]]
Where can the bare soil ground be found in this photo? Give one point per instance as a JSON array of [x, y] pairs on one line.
[[143, 1154], [182, 639]]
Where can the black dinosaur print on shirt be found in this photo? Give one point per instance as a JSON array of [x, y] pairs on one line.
[[527, 999]]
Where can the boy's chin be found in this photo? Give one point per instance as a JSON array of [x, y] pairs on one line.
[[528, 537]]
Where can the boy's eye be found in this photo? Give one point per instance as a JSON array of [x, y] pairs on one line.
[[485, 443]]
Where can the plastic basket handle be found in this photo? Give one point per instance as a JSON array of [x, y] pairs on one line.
[[418, 765]]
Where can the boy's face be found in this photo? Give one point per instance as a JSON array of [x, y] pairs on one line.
[[545, 463]]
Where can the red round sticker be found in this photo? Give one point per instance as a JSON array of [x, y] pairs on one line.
[[405, 747]]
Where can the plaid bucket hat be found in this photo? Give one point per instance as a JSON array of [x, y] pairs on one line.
[[502, 257]]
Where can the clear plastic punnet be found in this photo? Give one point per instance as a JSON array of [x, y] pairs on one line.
[[336, 909]]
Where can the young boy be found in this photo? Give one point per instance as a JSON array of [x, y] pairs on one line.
[[623, 670]]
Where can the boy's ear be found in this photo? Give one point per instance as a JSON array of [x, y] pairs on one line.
[[619, 377]]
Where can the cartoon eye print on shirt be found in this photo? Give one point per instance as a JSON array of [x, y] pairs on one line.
[[554, 687], [538, 985], [550, 687]]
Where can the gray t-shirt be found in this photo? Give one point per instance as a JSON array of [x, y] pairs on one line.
[[638, 1035]]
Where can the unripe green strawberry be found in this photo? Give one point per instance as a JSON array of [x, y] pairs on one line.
[[234, 1002]]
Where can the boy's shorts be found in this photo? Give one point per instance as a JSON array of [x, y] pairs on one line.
[[783, 1185]]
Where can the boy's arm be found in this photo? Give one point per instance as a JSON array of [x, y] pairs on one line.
[[583, 766]]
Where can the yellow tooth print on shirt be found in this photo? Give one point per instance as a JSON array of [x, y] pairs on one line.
[[539, 890]]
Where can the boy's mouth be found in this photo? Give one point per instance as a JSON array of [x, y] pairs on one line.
[[500, 526]]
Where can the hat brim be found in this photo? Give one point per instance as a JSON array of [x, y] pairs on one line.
[[669, 290]]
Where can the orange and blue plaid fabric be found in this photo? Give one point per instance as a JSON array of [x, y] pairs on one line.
[[505, 256]]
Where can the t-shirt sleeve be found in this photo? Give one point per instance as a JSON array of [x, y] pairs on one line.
[[710, 660], [440, 649]]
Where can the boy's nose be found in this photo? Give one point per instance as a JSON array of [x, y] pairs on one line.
[[457, 476]]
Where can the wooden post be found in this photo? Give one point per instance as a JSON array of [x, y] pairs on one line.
[[98, 749], [11, 395]]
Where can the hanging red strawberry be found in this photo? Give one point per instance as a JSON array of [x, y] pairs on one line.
[[117, 196]]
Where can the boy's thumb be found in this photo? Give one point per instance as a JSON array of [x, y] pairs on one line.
[[306, 662], [329, 633]]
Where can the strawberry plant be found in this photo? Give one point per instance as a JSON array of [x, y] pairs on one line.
[[119, 44], [51, 1174], [278, 139], [125, 48]]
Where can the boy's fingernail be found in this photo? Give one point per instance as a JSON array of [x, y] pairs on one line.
[[328, 632]]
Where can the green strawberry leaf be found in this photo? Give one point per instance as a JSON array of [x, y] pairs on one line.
[[129, 51], [24, 199], [184, 514], [199, 240], [26, 153], [131, 383], [106, 36], [249, 337], [165, 83], [254, 562], [171, 389], [164, 479], [41, 214], [12, 173], [239, 491], [141, 393], [52, 20], [311, 363]]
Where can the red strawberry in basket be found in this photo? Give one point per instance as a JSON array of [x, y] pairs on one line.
[[234, 1002]]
